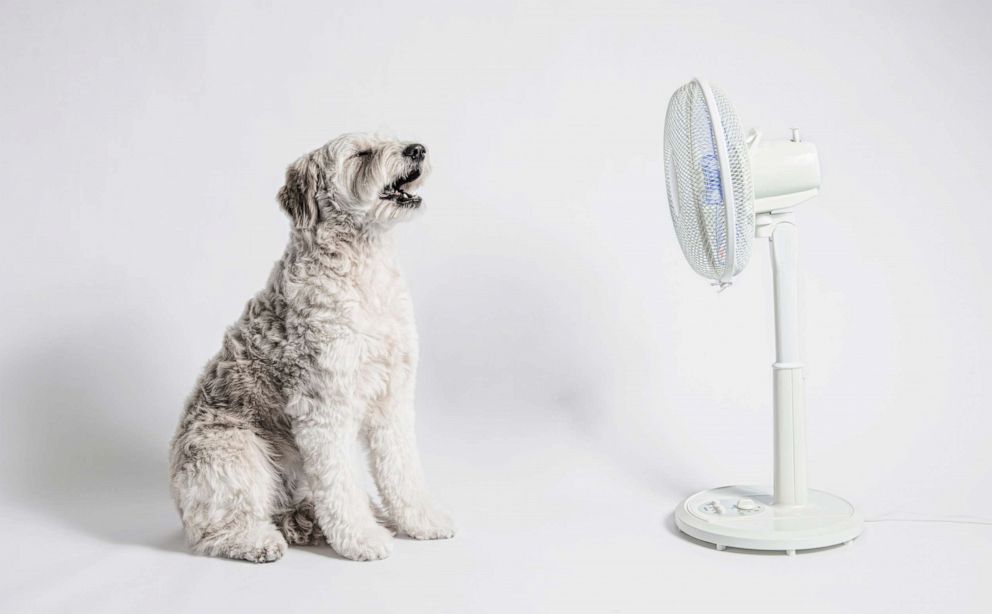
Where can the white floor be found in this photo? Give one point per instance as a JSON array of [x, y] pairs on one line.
[[550, 522]]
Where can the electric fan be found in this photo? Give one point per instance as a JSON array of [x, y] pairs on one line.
[[723, 191]]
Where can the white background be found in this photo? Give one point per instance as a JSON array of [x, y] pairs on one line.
[[577, 378]]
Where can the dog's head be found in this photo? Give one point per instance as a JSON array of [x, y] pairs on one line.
[[358, 179]]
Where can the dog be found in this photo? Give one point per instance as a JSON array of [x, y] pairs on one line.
[[322, 359]]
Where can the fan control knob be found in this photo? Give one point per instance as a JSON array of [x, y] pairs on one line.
[[748, 505], [713, 507]]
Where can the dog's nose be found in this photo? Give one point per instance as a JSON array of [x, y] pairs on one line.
[[415, 151]]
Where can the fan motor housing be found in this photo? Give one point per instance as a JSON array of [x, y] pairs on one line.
[[784, 174]]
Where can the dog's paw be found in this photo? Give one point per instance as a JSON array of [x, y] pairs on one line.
[[265, 554], [266, 547], [425, 523], [370, 543]]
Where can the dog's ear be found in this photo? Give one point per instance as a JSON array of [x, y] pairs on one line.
[[298, 197]]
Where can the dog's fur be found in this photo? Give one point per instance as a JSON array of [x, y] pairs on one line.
[[322, 358]]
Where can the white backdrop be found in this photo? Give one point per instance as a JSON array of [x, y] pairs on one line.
[[143, 143]]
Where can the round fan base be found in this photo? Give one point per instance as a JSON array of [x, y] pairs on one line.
[[745, 517]]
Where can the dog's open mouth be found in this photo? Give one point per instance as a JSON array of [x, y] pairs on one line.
[[397, 194]]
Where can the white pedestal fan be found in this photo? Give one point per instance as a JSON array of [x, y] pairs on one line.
[[723, 191]]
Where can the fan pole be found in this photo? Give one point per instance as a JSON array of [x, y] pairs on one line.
[[790, 410]]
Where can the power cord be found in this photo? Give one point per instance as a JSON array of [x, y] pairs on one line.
[[959, 520]]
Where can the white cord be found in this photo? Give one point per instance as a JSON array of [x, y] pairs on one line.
[[940, 520]]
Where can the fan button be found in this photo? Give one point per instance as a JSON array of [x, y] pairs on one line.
[[713, 507], [747, 505]]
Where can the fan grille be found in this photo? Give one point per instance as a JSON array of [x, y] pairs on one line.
[[695, 185]]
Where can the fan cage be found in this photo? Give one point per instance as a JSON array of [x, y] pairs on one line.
[[696, 183]]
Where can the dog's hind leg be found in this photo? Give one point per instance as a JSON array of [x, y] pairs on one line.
[[227, 489], [299, 526]]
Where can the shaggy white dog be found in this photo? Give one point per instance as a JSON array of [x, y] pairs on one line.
[[322, 358]]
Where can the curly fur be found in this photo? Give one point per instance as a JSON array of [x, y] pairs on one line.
[[321, 359]]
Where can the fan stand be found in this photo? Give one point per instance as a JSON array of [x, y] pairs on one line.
[[791, 517]]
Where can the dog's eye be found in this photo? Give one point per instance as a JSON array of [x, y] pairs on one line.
[[363, 153]]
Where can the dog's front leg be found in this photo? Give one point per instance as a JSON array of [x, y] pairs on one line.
[[396, 465], [326, 436]]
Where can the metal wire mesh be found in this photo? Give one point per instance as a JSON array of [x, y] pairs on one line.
[[696, 185]]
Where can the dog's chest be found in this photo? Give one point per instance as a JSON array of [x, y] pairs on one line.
[[367, 331]]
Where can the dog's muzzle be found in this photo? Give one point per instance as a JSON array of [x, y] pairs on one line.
[[394, 191]]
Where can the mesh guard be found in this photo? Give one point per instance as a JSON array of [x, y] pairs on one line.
[[696, 185]]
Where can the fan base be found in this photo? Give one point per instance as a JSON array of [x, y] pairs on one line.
[[745, 517]]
